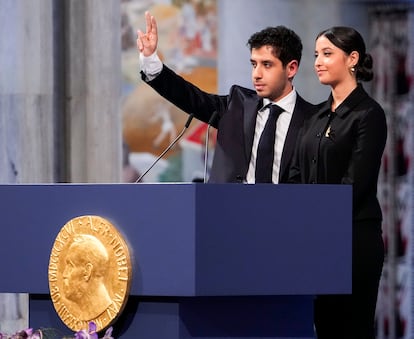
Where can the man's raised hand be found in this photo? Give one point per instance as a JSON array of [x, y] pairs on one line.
[[147, 42]]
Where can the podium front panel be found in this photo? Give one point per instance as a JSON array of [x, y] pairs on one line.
[[191, 239]]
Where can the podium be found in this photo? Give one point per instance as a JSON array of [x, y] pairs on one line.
[[209, 260]]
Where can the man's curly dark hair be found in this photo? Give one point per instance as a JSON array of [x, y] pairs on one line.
[[286, 44]]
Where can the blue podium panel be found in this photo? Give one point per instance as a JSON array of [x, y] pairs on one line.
[[157, 221], [274, 240], [202, 244], [192, 239], [247, 317]]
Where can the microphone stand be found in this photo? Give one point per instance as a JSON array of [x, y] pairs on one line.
[[168, 148]]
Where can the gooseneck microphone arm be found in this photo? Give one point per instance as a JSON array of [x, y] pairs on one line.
[[168, 148]]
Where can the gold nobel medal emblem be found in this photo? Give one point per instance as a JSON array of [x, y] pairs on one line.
[[89, 273]]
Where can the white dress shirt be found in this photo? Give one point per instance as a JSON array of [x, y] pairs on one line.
[[287, 104]]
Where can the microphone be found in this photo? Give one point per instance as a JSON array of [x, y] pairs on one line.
[[210, 122], [168, 148]]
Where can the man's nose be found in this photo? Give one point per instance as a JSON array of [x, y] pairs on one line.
[[257, 73]]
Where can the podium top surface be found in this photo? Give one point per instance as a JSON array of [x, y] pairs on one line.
[[191, 239]]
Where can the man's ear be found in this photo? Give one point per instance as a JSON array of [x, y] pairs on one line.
[[87, 271], [292, 68]]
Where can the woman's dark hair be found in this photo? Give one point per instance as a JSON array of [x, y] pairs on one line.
[[348, 39], [286, 44]]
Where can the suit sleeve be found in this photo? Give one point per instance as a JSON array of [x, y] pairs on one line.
[[295, 176], [186, 96], [366, 155]]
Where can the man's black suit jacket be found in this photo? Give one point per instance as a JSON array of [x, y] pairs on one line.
[[235, 123]]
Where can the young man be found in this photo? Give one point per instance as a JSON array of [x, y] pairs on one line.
[[243, 113]]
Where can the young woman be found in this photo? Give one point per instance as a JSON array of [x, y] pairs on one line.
[[343, 143]]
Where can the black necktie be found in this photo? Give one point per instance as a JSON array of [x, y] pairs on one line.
[[266, 147]]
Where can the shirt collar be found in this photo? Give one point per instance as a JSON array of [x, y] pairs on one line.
[[287, 103], [357, 95]]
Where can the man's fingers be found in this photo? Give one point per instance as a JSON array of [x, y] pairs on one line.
[[153, 25], [139, 40], [148, 20], [146, 41], [140, 46]]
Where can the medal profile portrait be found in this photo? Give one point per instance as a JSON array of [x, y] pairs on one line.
[[89, 273], [84, 275]]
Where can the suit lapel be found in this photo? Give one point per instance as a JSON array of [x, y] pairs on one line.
[[249, 125], [291, 137]]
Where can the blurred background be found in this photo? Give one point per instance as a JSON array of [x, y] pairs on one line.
[[73, 108]]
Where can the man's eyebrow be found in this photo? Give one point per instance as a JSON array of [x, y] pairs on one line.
[[262, 61], [267, 61]]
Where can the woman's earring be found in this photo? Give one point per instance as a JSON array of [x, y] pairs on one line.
[[353, 69]]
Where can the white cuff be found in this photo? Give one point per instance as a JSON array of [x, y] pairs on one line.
[[150, 65]]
